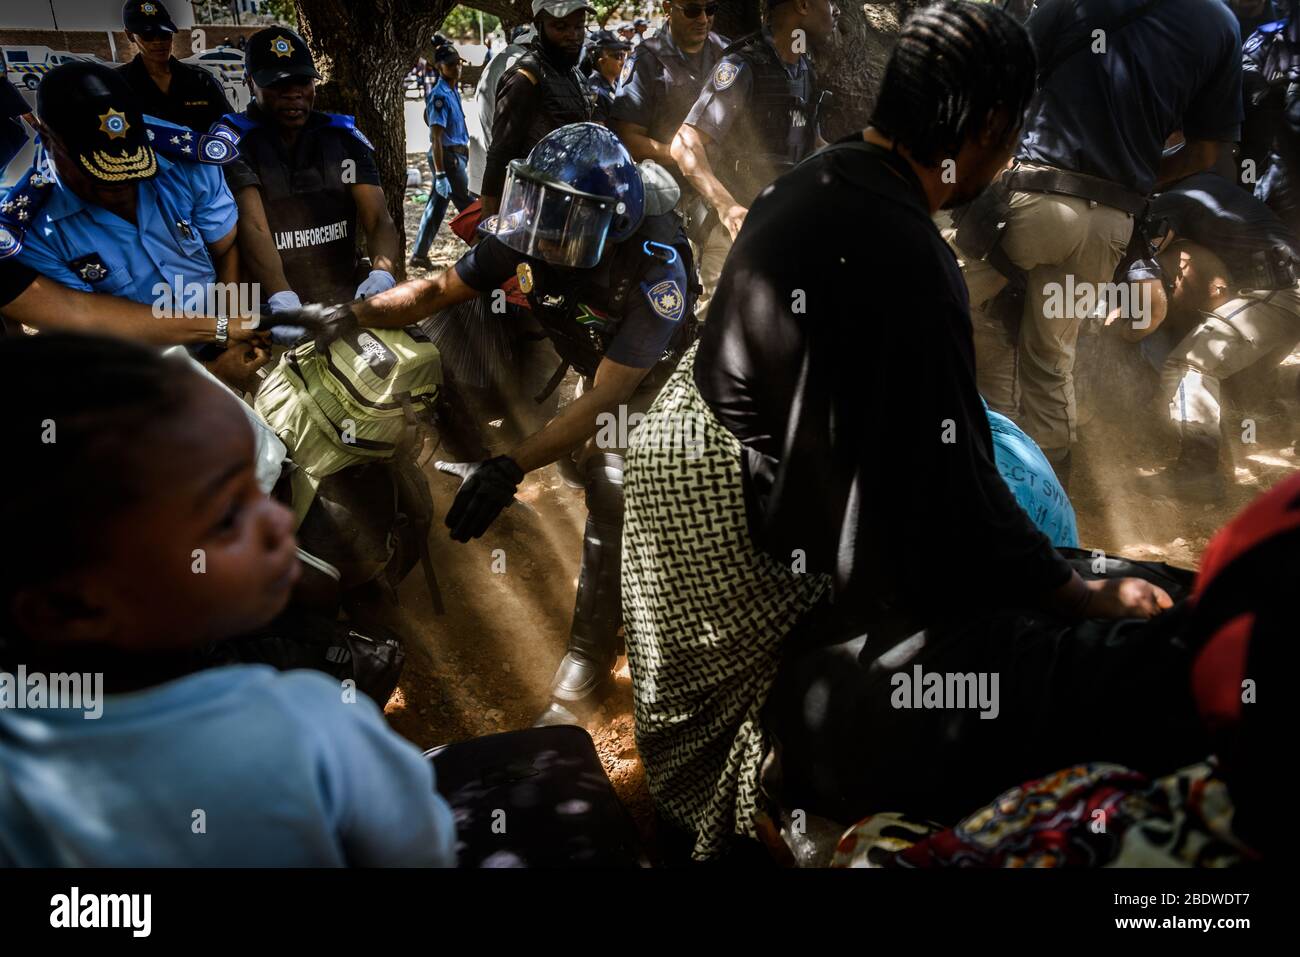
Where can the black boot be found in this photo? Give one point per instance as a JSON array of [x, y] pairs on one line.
[[584, 673], [1194, 477]]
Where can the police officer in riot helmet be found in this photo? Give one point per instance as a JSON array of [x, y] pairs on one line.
[[607, 270], [541, 91], [309, 180], [755, 119]]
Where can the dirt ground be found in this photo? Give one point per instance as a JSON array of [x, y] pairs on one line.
[[486, 665]]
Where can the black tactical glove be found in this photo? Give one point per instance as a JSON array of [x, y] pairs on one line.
[[322, 323], [485, 489]]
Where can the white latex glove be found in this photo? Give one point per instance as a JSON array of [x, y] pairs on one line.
[[441, 185], [379, 280], [283, 301]]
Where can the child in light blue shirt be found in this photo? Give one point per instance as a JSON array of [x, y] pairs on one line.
[[136, 533]]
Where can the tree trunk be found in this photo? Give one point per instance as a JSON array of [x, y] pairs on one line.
[[363, 56]]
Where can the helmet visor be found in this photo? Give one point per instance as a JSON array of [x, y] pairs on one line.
[[551, 221]]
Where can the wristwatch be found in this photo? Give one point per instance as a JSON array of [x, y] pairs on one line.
[[223, 330]]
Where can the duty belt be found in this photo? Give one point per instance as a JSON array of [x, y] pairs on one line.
[[1079, 185]]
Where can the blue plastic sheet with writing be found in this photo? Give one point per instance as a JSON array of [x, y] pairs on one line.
[[1029, 476]]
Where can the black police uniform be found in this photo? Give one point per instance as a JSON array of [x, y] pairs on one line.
[[634, 306], [1258, 248], [194, 98], [605, 92], [525, 112], [660, 83], [1271, 78], [760, 114], [309, 206], [659, 86]]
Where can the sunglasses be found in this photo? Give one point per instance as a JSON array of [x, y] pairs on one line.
[[692, 11], [154, 35]]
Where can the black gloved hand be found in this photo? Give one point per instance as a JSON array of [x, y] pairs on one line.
[[323, 323], [485, 489]]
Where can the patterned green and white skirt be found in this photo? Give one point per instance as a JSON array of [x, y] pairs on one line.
[[705, 613]]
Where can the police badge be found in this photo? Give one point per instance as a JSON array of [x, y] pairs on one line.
[[524, 272], [90, 268], [725, 75]]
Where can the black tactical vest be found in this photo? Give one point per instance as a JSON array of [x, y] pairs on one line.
[[756, 150], [309, 208], [676, 87], [566, 97], [581, 309]]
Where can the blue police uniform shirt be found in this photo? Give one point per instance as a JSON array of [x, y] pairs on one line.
[[649, 322], [179, 212], [442, 107], [726, 97], [640, 92], [1177, 67]]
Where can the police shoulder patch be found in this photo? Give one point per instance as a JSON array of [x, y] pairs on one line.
[[666, 299], [724, 74], [216, 150], [628, 66]]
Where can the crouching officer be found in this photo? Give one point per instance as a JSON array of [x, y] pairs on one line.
[[180, 93], [126, 204], [1224, 296], [755, 119], [310, 177], [607, 270], [661, 82], [541, 91]]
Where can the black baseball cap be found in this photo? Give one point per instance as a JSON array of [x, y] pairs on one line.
[[609, 40], [446, 53], [143, 17], [276, 54], [93, 111]]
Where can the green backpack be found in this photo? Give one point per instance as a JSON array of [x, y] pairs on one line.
[[353, 403]]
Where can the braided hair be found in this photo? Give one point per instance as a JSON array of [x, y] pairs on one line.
[[954, 63]]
